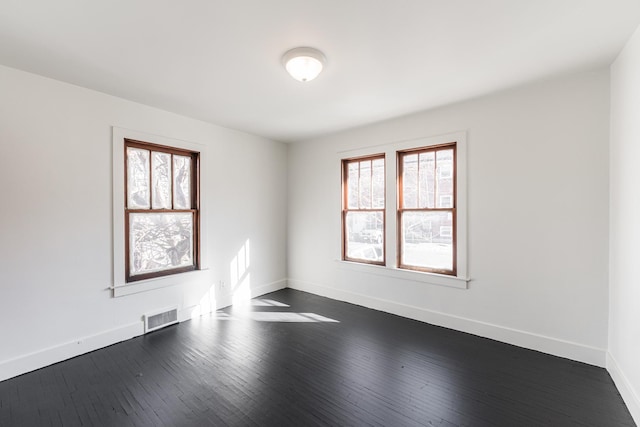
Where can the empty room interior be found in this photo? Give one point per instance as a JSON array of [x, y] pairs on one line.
[[439, 225]]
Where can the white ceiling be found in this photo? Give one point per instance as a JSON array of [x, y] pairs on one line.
[[219, 60]]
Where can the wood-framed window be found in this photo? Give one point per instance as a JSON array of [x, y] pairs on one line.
[[427, 209], [363, 209], [162, 216]]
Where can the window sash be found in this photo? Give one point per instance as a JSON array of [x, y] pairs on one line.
[[371, 241], [169, 248], [156, 209], [403, 252]]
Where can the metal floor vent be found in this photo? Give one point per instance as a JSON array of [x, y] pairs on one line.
[[159, 320]]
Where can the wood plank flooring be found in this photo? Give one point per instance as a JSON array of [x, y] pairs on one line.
[[296, 359]]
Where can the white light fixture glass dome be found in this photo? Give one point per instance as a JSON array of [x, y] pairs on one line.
[[304, 63]]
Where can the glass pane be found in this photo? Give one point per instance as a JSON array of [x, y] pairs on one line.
[[427, 240], [444, 197], [427, 179], [365, 184], [364, 234], [410, 180], [160, 241], [377, 184], [352, 185], [161, 178], [181, 182], [137, 178]]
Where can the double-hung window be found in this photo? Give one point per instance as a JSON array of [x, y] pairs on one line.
[[429, 218], [363, 209], [162, 219], [427, 209]]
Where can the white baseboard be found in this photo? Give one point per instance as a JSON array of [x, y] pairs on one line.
[[48, 356], [268, 288], [567, 349], [628, 393]]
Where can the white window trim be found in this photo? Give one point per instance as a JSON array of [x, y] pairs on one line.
[[461, 279], [120, 287]]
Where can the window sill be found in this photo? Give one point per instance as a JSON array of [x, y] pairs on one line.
[[398, 273], [151, 284]]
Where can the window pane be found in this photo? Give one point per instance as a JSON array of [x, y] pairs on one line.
[[444, 187], [160, 241], [377, 184], [427, 240], [427, 179], [364, 234], [410, 180], [352, 185], [181, 182], [137, 178], [365, 184], [161, 177]]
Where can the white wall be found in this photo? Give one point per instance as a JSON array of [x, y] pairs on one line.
[[624, 300], [537, 218], [56, 219]]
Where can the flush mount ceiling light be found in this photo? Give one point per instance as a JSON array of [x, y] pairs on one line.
[[304, 63]]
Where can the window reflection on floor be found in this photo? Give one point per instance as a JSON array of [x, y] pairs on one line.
[[247, 312]]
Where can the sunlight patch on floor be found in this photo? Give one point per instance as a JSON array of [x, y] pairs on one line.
[[273, 316], [262, 316], [267, 303]]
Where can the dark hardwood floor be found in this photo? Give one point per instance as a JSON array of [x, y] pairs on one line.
[[296, 359]]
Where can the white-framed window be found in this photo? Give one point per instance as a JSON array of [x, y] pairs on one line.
[[162, 215], [450, 202], [363, 209], [420, 207], [156, 192]]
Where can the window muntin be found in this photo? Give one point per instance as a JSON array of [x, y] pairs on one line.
[[161, 210], [363, 205], [427, 209]]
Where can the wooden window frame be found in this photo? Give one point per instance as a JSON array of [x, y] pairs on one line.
[[453, 209], [346, 210], [194, 210]]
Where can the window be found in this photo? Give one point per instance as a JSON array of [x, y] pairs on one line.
[[417, 210], [363, 204], [427, 209], [162, 218]]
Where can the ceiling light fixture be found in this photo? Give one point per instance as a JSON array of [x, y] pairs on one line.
[[304, 63]]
